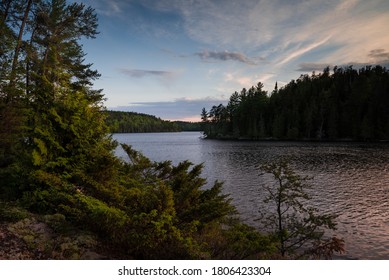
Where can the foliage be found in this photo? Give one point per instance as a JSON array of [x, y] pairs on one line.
[[11, 212], [57, 158], [148, 211], [238, 241], [348, 104], [130, 122], [298, 228], [188, 126], [54, 120]]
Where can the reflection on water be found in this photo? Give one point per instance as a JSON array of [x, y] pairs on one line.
[[349, 179]]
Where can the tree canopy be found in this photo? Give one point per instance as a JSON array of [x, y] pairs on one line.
[[348, 104], [298, 228], [131, 122], [57, 158]]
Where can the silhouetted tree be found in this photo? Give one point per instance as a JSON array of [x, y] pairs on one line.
[[298, 227], [347, 104]]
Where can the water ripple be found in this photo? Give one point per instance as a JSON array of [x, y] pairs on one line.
[[350, 180]]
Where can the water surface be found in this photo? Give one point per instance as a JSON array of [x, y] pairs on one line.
[[349, 179]]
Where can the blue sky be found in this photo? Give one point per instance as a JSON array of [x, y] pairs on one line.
[[171, 58]]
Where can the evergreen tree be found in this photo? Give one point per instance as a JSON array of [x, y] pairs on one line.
[[47, 91], [298, 228], [65, 164], [130, 122], [349, 104], [14, 24]]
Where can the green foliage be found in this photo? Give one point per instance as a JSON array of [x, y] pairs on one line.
[[57, 158], [349, 104], [149, 210], [12, 212], [238, 241], [130, 122], [175, 194], [188, 126], [298, 227]]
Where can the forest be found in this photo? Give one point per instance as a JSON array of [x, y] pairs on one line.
[[131, 122], [348, 104], [65, 195]]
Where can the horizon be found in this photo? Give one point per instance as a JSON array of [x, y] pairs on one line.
[[171, 58]]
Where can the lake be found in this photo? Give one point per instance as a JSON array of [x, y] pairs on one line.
[[349, 179]]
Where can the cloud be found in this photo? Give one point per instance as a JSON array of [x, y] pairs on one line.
[[374, 57], [279, 30], [179, 109], [138, 73], [238, 81], [310, 67], [355, 27], [288, 34], [242, 81], [165, 78], [224, 56], [301, 51], [243, 24], [287, 30], [379, 56], [110, 8]]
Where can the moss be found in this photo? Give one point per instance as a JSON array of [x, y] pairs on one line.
[[54, 238]]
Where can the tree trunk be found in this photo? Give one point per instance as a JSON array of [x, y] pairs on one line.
[[19, 43]]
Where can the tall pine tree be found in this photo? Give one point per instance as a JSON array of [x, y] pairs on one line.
[[46, 92]]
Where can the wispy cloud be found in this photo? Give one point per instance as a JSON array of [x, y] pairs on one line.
[[281, 31], [224, 56], [267, 40], [380, 56], [287, 30], [376, 56], [239, 81], [165, 78], [139, 73], [110, 8], [299, 51]]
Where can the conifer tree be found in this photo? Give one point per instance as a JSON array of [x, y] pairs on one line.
[[15, 19], [50, 113], [66, 164], [297, 227]]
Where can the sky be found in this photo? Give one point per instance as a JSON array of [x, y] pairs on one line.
[[171, 58]]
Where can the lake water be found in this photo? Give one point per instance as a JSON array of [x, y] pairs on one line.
[[349, 179]]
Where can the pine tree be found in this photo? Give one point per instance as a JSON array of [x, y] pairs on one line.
[[298, 227], [15, 19], [46, 91]]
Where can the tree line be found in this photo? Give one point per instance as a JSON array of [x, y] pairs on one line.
[[131, 122], [57, 158], [348, 104]]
